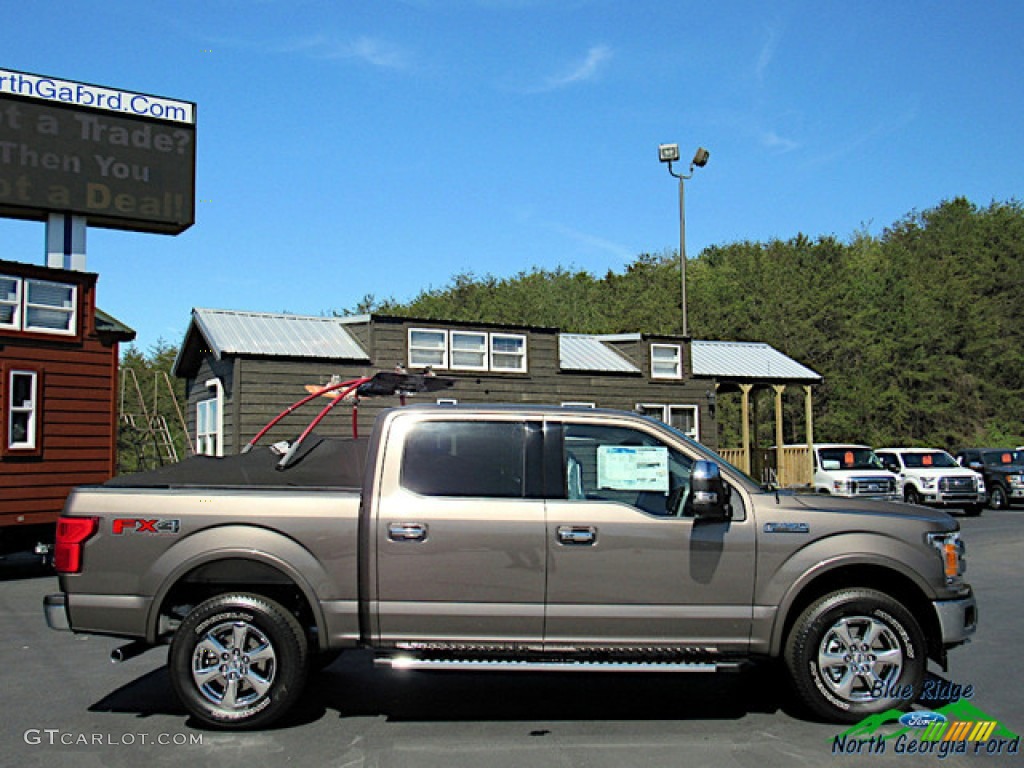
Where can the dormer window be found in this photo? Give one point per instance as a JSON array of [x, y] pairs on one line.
[[428, 347], [666, 361], [467, 350]]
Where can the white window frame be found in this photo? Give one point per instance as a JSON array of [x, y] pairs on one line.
[[658, 408], [447, 401], [31, 407], [677, 361], [522, 368], [208, 437], [15, 303], [663, 412], [483, 351], [578, 404], [413, 363], [21, 319], [448, 352], [695, 432]]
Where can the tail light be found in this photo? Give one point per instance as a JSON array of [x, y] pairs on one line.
[[72, 533]]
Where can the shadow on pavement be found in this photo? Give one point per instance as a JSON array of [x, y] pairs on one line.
[[353, 687]]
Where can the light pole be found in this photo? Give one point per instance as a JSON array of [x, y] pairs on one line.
[[669, 153]]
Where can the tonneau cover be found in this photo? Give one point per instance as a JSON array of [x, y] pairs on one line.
[[321, 462]]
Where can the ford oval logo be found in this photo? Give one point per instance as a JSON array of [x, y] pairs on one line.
[[921, 719]]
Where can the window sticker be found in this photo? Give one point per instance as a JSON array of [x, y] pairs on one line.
[[633, 468]]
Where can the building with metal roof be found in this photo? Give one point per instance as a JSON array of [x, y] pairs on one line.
[[242, 368]]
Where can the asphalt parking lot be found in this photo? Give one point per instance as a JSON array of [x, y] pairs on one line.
[[66, 704]]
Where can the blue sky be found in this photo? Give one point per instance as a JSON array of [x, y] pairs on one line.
[[380, 147]]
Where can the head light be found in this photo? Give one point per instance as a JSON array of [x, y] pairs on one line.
[[952, 551]]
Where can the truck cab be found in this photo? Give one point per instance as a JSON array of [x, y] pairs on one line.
[[932, 477], [853, 471]]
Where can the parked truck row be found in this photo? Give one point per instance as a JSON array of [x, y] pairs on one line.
[[926, 476]]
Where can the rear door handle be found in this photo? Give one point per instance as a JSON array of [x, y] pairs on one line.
[[407, 531], [577, 534]]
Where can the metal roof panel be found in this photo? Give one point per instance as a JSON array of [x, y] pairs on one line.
[[579, 352], [746, 360], [232, 332]]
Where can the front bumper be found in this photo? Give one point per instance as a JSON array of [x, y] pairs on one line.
[[953, 499], [55, 608], [958, 619]]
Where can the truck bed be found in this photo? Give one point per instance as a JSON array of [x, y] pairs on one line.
[[322, 462]]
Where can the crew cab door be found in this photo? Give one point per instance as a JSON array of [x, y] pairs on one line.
[[626, 568], [460, 538]]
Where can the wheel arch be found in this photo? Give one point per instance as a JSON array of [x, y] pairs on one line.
[[880, 577], [269, 564]]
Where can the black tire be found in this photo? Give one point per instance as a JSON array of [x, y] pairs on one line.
[[973, 510], [997, 498], [911, 496], [262, 664], [884, 672]]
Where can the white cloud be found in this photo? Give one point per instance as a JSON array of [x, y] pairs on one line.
[[767, 54], [772, 140], [372, 50], [587, 69]]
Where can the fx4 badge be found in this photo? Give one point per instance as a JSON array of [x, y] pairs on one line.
[[123, 525]]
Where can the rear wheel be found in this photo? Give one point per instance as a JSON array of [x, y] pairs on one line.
[[854, 653], [238, 661]]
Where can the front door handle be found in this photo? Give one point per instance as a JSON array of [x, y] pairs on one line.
[[407, 531], [577, 534]]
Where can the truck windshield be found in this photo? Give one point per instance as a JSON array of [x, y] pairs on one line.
[[1002, 458], [849, 458], [939, 459]]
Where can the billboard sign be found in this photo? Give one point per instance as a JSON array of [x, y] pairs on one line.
[[123, 160]]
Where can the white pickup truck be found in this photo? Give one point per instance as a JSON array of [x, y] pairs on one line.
[[932, 477], [853, 471]]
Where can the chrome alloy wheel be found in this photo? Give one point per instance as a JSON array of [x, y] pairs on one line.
[[233, 665], [860, 658]]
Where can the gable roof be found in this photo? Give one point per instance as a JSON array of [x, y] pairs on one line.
[[108, 325], [232, 332], [747, 360]]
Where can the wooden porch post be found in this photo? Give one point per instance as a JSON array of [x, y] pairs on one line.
[[809, 421], [781, 476], [745, 389]]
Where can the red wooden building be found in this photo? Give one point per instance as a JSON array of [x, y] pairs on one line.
[[58, 393]]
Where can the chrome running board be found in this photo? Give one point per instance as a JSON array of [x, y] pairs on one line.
[[401, 662]]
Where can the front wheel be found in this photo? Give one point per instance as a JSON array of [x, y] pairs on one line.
[[854, 653], [998, 499], [911, 496], [238, 661]]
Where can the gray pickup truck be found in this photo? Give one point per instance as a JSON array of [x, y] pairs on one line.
[[506, 538]]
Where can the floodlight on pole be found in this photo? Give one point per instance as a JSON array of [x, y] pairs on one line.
[[669, 153]]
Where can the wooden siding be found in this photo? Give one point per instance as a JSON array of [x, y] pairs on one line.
[[260, 388], [77, 420], [196, 391]]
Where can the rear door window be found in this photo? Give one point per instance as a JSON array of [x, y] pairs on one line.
[[466, 458]]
